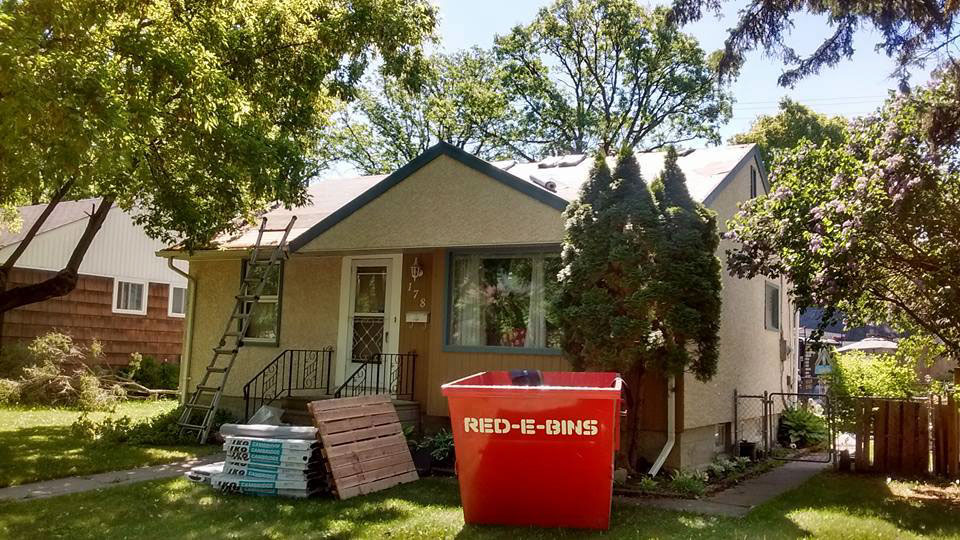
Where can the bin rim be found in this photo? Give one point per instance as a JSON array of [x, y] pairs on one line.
[[616, 387]]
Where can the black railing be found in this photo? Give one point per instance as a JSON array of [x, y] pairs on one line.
[[385, 373], [291, 371]]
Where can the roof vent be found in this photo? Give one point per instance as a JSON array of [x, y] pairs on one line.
[[687, 152], [572, 160], [505, 165], [549, 162], [546, 184]]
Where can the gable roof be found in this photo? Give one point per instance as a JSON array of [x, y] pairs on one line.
[[64, 213], [554, 181]]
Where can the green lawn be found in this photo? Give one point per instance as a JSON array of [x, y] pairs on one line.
[[828, 506], [35, 444]]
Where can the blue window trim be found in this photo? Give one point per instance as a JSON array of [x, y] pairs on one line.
[[448, 291]]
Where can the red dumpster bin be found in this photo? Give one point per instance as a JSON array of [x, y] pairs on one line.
[[536, 455]]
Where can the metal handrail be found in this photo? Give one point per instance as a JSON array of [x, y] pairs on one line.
[[399, 378], [291, 370]]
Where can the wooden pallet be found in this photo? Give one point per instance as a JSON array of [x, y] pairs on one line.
[[363, 444]]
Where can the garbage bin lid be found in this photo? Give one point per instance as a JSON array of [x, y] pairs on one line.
[[587, 384]]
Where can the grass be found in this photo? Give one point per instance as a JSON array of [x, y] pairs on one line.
[[828, 506], [36, 444]]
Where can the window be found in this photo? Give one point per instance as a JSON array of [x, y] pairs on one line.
[[129, 297], [264, 324], [504, 300], [178, 301], [753, 182], [771, 307], [721, 437]]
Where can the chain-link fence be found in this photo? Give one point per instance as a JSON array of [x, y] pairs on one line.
[[757, 424]]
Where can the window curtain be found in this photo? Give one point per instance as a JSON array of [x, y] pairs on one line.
[[537, 320], [467, 306]]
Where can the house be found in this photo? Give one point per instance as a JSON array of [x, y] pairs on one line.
[[126, 297], [441, 269]]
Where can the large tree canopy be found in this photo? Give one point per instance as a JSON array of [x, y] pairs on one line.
[[870, 226], [606, 74], [193, 115], [462, 101], [791, 125], [914, 32]]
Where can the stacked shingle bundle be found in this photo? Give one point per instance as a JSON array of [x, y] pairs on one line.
[[267, 466]]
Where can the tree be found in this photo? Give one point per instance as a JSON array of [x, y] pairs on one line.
[[608, 74], [914, 32], [461, 101], [636, 293], [689, 306], [192, 115], [794, 123], [871, 226], [877, 216]]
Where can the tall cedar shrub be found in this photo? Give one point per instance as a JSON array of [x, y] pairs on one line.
[[640, 287]]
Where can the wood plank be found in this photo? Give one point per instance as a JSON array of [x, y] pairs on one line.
[[360, 434], [923, 446], [864, 409], [373, 475], [894, 435], [908, 455], [353, 412], [351, 468], [379, 485], [361, 447], [880, 436], [346, 403], [362, 422], [953, 438]]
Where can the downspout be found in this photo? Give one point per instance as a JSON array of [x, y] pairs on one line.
[[188, 331], [671, 426]]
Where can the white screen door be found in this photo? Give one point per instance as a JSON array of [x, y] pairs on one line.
[[369, 317]]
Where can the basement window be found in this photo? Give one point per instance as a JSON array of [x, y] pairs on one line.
[[129, 297]]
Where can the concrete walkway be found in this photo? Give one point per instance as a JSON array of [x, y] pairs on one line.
[[738, 500], [77, 484]]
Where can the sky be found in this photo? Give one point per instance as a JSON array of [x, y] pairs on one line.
[[853, 87]]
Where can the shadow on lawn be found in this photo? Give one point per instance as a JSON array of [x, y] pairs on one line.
[[45, 452]]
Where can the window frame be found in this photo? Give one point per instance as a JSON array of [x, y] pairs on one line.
[[170, 312], [753, 182], [512, 251], [116, 292], [272, 299], [767, 285]]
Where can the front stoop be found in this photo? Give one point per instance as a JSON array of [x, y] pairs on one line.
[[295, 410]]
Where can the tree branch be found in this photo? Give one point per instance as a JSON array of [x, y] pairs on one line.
[[66, 279], [32, 232]]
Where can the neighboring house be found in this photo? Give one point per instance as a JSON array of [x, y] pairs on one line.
[[452, 258], [126, 297], [816, 354]]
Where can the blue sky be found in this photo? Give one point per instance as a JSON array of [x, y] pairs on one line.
[[854, 87]]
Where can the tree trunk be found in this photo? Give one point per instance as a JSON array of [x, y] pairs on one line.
[[66, 279], [630, 447]]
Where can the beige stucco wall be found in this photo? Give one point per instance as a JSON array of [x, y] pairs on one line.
[[444, 204], [309, 311], [749, 353]]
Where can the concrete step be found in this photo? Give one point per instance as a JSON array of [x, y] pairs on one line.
[[295, 411]]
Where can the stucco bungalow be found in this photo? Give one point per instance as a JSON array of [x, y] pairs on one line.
[[442, 269]]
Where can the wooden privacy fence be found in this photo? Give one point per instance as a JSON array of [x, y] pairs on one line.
[[908, 437]]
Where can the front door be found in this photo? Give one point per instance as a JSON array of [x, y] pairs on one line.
[[369, 318]]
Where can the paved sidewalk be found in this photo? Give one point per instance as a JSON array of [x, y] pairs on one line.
[[738, 500], [77, 484]]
